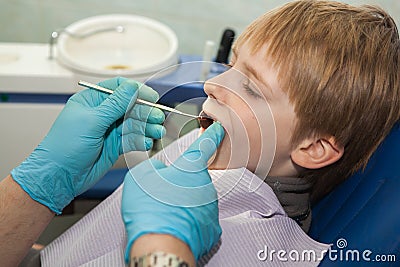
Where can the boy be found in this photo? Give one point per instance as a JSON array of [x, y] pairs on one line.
[[336, 66], [329, 73]]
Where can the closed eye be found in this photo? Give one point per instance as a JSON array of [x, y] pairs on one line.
[[250, 91]]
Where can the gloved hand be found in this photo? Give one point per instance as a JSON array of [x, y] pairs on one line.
[[86, 140], [179, 200]]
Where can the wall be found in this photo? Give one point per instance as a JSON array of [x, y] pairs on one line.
[[194, 21]]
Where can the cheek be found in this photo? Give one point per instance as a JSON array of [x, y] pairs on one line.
[[253, 131], [285, 123], [244, 138], [260, 125], [234, 150]]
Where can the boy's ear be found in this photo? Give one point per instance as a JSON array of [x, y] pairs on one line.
[[317, 153]]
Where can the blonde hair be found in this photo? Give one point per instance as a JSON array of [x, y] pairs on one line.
[[339, 65]]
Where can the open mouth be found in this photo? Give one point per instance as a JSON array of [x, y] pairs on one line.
[[205, 120]]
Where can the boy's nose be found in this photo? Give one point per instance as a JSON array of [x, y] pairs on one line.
[[209, 88], [215, 87]]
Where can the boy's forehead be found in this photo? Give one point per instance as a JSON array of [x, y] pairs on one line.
[[249, 67]]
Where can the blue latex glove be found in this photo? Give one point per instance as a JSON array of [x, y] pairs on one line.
[[179, 200], [86, 140]]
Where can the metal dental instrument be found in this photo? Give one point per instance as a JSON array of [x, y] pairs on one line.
[[140, 101]]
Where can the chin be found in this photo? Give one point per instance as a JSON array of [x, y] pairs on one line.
[[222, 157]]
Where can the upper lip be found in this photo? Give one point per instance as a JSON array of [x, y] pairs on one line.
[[212, 116]]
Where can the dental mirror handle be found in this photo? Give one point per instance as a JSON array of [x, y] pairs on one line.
[[140, 101]]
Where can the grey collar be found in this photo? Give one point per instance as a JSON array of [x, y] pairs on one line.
[[294, 196]]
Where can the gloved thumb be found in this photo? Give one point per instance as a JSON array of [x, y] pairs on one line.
[[115, 106], [196, 157]]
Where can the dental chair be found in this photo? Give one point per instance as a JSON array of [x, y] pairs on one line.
[[363, 213]]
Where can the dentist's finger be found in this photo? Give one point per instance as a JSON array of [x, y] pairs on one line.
[[115, 106], [147, 93], [151, 130], [195, 158], [112, 83], [146, 113], [135, 142]]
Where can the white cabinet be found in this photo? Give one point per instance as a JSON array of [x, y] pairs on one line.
[[23, 126]]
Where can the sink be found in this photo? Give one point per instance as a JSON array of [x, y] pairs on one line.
[[143, 47], [33, 88]]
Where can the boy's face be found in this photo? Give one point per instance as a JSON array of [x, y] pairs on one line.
[[256, 114]]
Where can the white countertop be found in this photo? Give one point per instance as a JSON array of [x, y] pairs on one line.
[[25, 68]]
